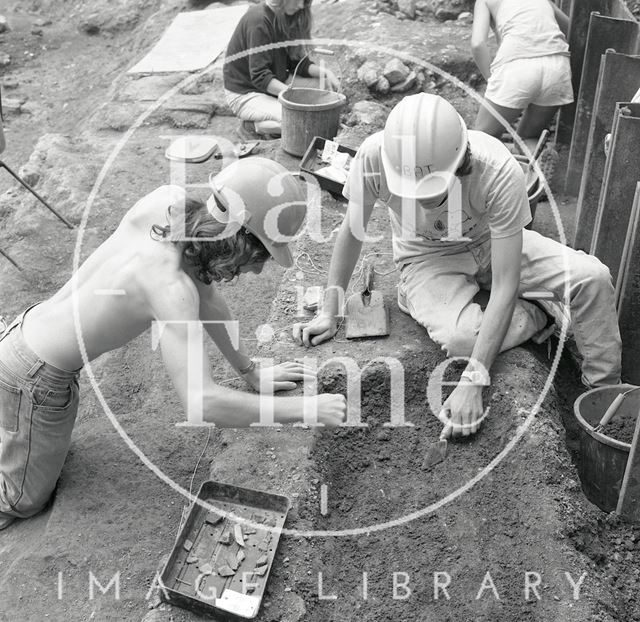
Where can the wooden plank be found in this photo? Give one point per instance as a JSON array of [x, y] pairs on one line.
[[628, 297], [618, 189], [579, 12], [618, 81], [604, 33]]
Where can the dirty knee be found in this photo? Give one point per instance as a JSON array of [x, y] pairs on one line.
[[595, 274], [458, 342]]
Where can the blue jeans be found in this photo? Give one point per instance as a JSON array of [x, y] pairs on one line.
[[38, 406]]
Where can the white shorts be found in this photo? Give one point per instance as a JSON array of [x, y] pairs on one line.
[[543, 81]]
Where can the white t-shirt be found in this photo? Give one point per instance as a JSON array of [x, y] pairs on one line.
[[527, 29], [492, 200]]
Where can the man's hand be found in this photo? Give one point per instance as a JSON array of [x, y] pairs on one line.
[[331, 408], [462, 411], [321, 328], [282, 377]]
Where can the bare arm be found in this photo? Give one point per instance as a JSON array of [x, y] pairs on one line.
[[275, 87], [480, 36], [213, 308], [176, 308], [562, 18], [506, 256], [465, 402], [220, 324], [343, 260]]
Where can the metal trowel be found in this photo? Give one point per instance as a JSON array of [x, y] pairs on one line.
[[437, 451], [366, 315]]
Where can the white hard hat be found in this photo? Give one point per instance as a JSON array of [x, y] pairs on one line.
[[265, 198], [424, 143]]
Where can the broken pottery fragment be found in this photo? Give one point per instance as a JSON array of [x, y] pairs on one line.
[[260, 570], [213, 518], [225, 571]]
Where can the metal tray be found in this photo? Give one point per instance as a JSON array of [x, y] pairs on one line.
[[207, 541], [311, 162]]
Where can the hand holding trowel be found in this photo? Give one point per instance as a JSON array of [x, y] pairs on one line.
[[437, 452]]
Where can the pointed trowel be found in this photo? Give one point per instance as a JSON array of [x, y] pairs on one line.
[[437, 451]]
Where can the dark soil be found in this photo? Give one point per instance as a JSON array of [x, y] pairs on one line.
[[621, 428]]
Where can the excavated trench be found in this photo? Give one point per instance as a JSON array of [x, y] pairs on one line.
[[374, 476]]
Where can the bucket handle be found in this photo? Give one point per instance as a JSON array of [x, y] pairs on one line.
[[324, 52]]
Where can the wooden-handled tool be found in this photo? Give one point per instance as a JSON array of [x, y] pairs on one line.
[[542, 141], [613, 409], [531, 177]]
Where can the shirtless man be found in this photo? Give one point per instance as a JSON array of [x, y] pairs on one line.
[[163, 256]]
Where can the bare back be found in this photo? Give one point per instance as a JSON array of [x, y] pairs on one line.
[[113, 295]]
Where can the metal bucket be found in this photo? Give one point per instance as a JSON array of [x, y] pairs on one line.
[[603, 459], [307, 113]]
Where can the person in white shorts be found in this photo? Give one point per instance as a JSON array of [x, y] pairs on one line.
[[530, 74], [165, 258]]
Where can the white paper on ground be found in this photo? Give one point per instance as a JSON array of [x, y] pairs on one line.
[[192, 41], [238, 603], [331, 172]]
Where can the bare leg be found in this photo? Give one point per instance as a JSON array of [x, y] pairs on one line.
[[486, 122], [535, 119]]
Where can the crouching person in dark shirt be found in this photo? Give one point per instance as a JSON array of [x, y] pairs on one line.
[[258, 67]]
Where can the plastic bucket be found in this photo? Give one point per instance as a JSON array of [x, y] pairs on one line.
[[603, 459], [307, 113]]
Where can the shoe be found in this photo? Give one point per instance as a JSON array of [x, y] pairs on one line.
[[402, 300], [545, 333], [554, 324], [5, 521], [247, 132]]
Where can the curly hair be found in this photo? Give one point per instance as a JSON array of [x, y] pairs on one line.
[[219, 256]]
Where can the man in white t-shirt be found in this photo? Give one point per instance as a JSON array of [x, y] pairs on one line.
[[458, 207]]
